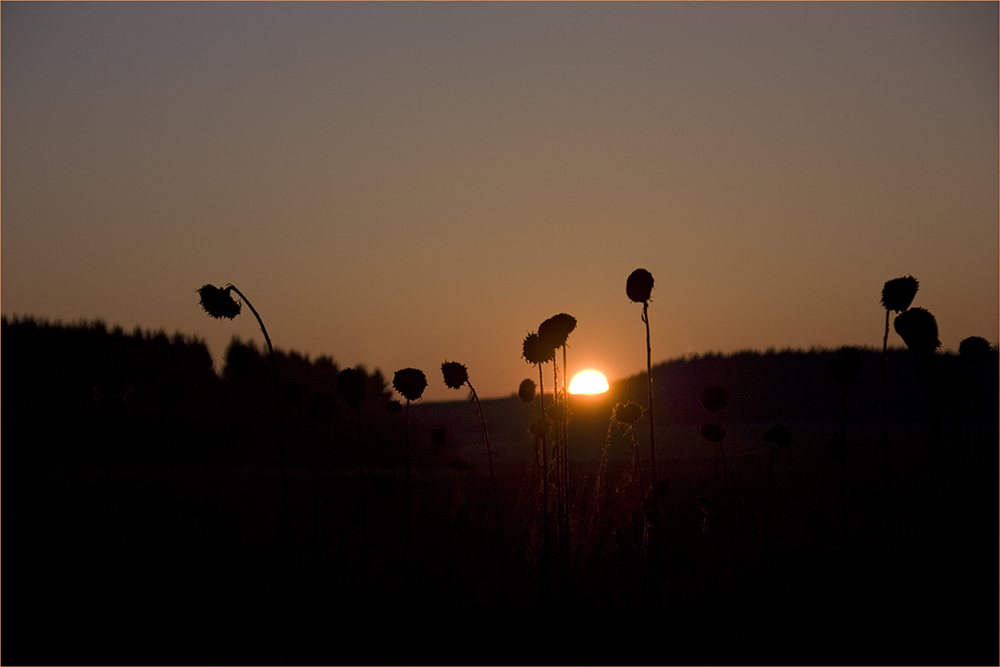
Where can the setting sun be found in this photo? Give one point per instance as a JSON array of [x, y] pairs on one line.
[[588, 382]]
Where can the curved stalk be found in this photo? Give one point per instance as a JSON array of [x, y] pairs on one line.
[[277, 415]]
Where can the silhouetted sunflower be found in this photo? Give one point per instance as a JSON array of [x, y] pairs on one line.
[[713, 433], [918, 329], [455, 374], [218, 302], [639, 285], [536, 351], [846, 366], [351, 385], [714, 398], [555, 330], [410, 382], [526, 391], [778, 435], [627, 413], [898, 293], [540, 427], [393, 407], [974, 351]]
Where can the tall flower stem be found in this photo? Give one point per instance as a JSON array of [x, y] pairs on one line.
[[277, 419], [489, 457], [545, 490], [657, 601], [649, 383]]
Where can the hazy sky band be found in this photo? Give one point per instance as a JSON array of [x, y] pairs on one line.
[[397, 184]]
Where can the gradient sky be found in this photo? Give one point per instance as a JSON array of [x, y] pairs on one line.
[[403, 184]]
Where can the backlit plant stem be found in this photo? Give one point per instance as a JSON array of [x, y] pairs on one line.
[[277, 415]]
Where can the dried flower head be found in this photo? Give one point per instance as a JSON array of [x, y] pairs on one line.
[[410, 382], [218, 302], [846, 366], [394, 407], [536, 351], [455, 374], [526, 391], [898, 293], [714, 398], [974, 351], [639, 285], [555, 330], [778, 435], [627, 413], [539, 427], [918, 329], [713, 432], [351, 385]]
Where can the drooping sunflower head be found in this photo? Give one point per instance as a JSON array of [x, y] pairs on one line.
[[918, 329], [898, 293], [410, 382], [639, 285], [526, 391], [555, 330], [218, 302], [974, 351], [627, 413], [455, 374], [537, 351]]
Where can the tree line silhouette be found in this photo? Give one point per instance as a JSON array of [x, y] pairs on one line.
[[88, 393]]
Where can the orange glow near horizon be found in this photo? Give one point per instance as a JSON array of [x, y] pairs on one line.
[[588, 382]]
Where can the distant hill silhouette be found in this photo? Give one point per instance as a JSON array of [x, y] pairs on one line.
[[84, 393]]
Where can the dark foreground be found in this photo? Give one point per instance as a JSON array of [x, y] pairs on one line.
[[165, 564]]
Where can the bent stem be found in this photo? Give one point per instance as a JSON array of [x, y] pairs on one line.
[[277, 418], [489, 457]]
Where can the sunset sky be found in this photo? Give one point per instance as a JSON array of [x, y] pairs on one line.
[[402, 184]]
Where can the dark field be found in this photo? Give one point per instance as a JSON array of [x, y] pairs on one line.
[[145, 523], [186, 564]]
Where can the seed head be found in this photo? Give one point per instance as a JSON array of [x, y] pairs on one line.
[[410, 382], [714, 398], [918, 329], [218, 302], [455, 374], [536, 351], [627, 413], [555, 330], [394, 407], [846, 366], [713, 433], [639, 285], [974, 351], [898, 293], [351, 385], [526, 392], [540, 427], [778, 435]]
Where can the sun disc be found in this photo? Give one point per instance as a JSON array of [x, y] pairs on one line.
[[588, 382]]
